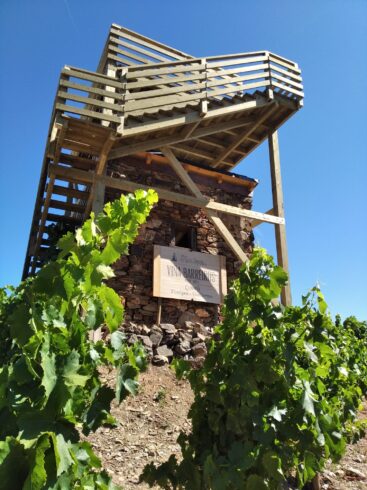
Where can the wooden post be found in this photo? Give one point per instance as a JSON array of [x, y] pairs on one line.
[[97, 207], [159, 311], [278, 206]]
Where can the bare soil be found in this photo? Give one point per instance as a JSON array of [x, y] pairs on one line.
[[150, 423]]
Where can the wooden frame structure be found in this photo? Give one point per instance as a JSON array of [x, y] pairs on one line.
[[148, 97]]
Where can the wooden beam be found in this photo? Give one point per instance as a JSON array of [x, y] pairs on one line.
[[128, 186], [257, 222], [96, 202], [213, 215], [128, 149], [278, 206], [243, 136]]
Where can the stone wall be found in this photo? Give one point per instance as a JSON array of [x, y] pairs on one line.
[[134, 273]]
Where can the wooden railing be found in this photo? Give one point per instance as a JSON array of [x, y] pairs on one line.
[[143, 89]]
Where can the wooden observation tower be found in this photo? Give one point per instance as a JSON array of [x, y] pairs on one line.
[[153, 102]]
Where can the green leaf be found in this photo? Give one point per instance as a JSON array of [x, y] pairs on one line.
[[48, 363], [112, 307], [125, 382], [38, 476], [70, 373], [308, 399], [62, 454], [118, 340]]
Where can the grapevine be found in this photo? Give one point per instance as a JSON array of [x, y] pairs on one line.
[[50, 384], [278, 393]]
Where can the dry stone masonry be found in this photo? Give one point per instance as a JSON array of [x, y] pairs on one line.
[[185, 325]]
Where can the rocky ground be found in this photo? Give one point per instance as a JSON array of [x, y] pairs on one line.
[[150, 423], [187, 339]]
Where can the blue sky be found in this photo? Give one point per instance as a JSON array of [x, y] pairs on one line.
[[322, 148]]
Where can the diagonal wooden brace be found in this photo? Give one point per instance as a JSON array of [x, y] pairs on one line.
[[213, 215]]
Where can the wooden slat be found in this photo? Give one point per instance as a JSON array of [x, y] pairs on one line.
[[239, 88], [287, 89], [162, 102], [166, 81], [257, 222], [234, 61], [85, 112], [66, 206], [149, 43], [90, 77], [286, 80], [89, 100], [62, 218], [77, 162], [159, 70], [147, 94], [136, 48], [295, 77], [90, 89], [290, 67], [79, 146], [67, 191]]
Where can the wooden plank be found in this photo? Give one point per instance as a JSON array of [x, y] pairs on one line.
[[244, 135], [136, 48], [67, 191], [90, 76], [195, 76], [257, 222], [237, 80], [128, 54], [66, 206], [278, 206], [235, 61], [149, 43], [62, 218], [295, 77], [90, 101], [146, 94], [287, 88], [90, 89], [275, 59], [80, 147], [85, 112], [161, 69], [227, 235], [213, 216], [287, 81], [127, 186], [133, 106], [77, 162]]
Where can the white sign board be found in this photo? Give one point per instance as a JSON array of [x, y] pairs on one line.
[[182, 274]]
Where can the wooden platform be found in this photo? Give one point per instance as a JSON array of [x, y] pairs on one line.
[[209, 111]]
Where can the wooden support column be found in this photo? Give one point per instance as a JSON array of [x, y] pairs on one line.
[[278, 207]]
